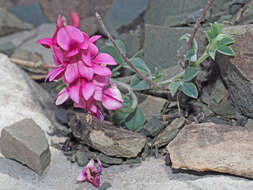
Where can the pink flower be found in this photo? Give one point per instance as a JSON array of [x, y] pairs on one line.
[[89, 173]]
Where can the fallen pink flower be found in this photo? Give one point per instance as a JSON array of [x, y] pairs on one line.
[[89, 174]]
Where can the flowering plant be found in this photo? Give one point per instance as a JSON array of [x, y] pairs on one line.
[[81, 68]]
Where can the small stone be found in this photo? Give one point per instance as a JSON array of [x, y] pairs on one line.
[[212, 147], [110, 160], [152, 127], [30, 13], [249, 124], [133, 161], [150, 105], [105, 186], [61, 116], [9, 23], [89, 25], [82, 158], [25, 142], [169, 133], [7, 48]]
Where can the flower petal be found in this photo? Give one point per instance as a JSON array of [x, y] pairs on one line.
[[62, 97], [46, 42], [101, 81], [114, 92], [75, 20], [93, 49], [84, 71], [54, 74], [92, 107], [81, 178], [57, 55], [98, 94], [73, 52], [111, 103], [94, 38], [59, 22], [74, 91], [88, 90], [101, 70], [86, 58], [96, 181], [104, 58], [71, 73], [99, 169], [91, 164]]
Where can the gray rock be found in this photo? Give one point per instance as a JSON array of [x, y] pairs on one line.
[[249, 124], [30, 13], [133, 161], [9, 23], [161, 44], [61, 116], [25, 142], [7, 48], [152, 127], [82, 158], [110, 160], [123, 13], [89, 25], [150, 105], [105, 186], [169, 133], [211, 147]]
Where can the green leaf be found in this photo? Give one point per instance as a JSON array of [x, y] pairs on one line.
[[226, 51], [212, 54], [185, 36], [126, 105], [174, 86], [225, 41], [140, 66], [119, 117], [39, 63], [135, 120], [139, 84], [190, 73], [216, 29], [191, 55], [109, 48], [189, 89]]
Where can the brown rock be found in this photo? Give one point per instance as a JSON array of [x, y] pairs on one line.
[[237, 72], [25, 142], [211, 147]]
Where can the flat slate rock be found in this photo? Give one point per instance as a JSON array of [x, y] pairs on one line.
[[25, 142], [213, 147]]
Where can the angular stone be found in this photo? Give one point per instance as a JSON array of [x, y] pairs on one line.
[[25, 142], [110, 160], [7, 48], [249, 124], [30, 13], [9, 23], [150, 105], [123, 13], [211, 147], [108, 139], [237, 72], [152, 127], [89, 25], [82, 158], [169, 133], [161, 44]]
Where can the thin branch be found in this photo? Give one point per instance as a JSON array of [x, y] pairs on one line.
[[150, 82], [31, 64], [197, 24]]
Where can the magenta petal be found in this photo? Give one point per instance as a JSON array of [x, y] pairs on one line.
[[72, 52], [63, 39], [75, 20], [114, 93], [74, 91], [111, 103], [87, 59], [57, 55], [81, 178], [75, 34], [104, 58], [94, 38], [92, 106], [101, 70], [98, 94], [62, 97], [101, 81], [54, 74], [96, 181], [59, 21], [71, 73], [46, 42], [88, 90], [84, 45], [99, 169], [93, 49], [84, 71]]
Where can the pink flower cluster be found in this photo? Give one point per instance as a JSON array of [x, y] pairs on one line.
[[82, 68]]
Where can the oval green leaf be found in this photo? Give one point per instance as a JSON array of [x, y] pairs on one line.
[[135, 120], [174, 86], [190, 73], [189, 89]]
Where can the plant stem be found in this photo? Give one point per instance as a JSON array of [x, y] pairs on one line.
[[175, 78], [150, 82], [30, 64], [201, 59], [197, 24]]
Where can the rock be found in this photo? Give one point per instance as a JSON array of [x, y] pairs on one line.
[[211, 147], [150, 105], [61, 116], [133, 161], [152, 127], [123, 13], [30, 13], [169, 133], [108, 139], [82, 158], [110, 160], [218, 120], [105, 186], [174, 12], [25, 142], [225, 108], [89, 25], [237, 72], [161, 44], [249, 124], [7, 48], [9, 23]]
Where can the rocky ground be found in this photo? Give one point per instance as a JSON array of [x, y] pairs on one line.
[[222, 146]]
